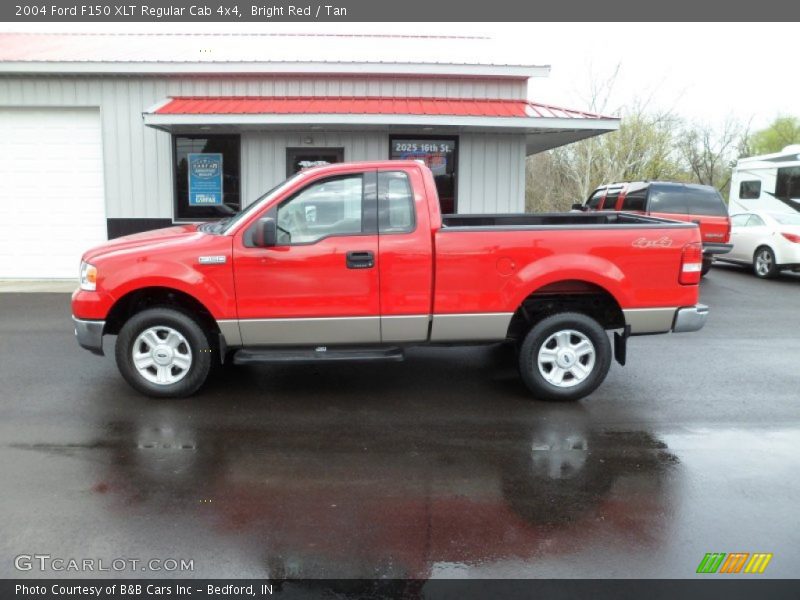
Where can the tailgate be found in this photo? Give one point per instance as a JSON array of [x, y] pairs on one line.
[[713, 229]]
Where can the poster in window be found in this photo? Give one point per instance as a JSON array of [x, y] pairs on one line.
[[205, 179]]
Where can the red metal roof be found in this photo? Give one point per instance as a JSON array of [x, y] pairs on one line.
[[367, 105]]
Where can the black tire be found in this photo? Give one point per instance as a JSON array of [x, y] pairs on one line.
[[540, 334], [707, 262], [768, 268], [200, 351]]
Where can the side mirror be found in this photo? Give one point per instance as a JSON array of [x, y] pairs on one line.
[[578, 206], [266, 233]]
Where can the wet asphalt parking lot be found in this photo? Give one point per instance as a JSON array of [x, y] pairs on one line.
[[441, 466]]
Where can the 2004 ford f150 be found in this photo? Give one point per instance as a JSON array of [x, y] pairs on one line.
[[355, 261]]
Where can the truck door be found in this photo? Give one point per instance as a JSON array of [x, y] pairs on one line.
[[405, 256], [319, 283]]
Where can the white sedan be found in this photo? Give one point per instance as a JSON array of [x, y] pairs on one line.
[[768, 241]]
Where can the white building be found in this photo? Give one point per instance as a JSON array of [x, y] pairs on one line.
[[97, 129]]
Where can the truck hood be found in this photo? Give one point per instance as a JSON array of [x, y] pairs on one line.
[[157, 237]]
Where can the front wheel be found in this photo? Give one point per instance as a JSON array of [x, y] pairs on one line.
[[764, 265], [565, 356], [164, 353]]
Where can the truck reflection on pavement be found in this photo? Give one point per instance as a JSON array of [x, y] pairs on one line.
[[409, 502]]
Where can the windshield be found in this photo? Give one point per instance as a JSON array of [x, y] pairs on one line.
[[225, 225], [787, 219]]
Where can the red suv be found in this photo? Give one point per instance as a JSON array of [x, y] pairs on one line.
[[701, 204]]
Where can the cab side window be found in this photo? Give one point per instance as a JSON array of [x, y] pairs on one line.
[[395, 203], [323, 209]]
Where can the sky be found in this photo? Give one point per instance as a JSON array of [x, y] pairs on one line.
[[704, 72]]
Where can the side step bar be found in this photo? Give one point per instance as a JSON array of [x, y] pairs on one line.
[[250, 356]]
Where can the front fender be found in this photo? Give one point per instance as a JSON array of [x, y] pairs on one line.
[[210, 285]]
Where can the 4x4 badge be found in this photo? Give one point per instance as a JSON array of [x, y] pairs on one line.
[[662, 242]]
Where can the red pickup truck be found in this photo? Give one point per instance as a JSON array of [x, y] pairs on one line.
[[355, 261]]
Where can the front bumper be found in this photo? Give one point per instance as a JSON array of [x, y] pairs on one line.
[[90, 334], [690, 318], [715, 248]]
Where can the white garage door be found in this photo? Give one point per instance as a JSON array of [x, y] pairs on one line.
[[51, 191]]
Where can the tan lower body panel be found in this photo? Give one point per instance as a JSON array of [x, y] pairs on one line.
[[405, 328], [300, 332], [473, 327], [229, 328], [650, 320]]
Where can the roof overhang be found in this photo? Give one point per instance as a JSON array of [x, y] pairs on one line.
[[543, 126], [274, 68]]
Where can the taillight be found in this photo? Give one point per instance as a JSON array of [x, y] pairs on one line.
[[691, 264], [792, 237], [727, 231]]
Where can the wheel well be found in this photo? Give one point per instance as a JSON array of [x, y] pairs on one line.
[[144, 298], [567, 296]]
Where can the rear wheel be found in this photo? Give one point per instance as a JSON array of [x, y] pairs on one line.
[[164, 353], [565, 357], [764, 265]]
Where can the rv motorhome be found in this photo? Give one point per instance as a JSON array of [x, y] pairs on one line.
[[770, 182]]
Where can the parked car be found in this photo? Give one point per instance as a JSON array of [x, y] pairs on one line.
[[768, 241], [394, 272], [701, 204]]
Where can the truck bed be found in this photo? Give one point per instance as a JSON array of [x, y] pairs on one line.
[[565, 220]]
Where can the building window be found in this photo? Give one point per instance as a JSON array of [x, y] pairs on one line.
[[749, 190], [207, 176], [440, 154], [298, 159]]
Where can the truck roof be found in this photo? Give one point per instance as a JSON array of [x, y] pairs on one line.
[[367, 164]]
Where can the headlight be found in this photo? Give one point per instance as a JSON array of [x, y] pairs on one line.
[[88, 277]]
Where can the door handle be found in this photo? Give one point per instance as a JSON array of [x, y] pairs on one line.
[[360, 259]]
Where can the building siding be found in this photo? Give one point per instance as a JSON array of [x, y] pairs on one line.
[[491, 173], [138, 159]]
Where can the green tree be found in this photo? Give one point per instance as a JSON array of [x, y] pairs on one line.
[[782, 132]]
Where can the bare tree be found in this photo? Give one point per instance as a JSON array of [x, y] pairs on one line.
[[643, 148], [709, 152]]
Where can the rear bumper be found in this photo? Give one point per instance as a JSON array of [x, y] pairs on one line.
[[90, 334], [647, 321], [714, 248], [690, 318]]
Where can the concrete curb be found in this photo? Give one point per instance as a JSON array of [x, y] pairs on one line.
[[33, 286]]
